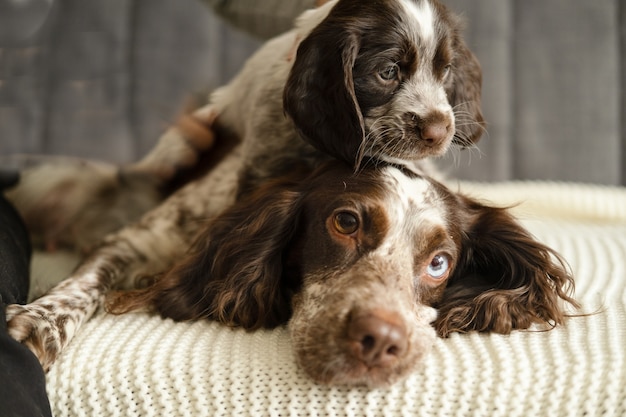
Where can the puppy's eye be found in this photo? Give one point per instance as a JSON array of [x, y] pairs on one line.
[[389, 73], [439, 266], [446, 71], [346, 223]]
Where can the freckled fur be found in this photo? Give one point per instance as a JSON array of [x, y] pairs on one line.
[[271, 259], [291, 114]]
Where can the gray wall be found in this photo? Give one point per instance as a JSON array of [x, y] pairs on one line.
[[102, 79], [553, 89]]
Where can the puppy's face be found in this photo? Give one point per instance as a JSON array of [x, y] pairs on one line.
[[390, 79], [399, 81]]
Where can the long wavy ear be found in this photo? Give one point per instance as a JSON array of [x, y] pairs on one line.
[[505, 279], [233, 271], [319, 94], [464, 91]]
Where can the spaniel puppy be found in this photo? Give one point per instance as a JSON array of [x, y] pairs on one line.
[[360, 265], [389, 79]]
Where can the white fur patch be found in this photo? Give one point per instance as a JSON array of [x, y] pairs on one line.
[[408, 188], [423, 14], [412, 205]]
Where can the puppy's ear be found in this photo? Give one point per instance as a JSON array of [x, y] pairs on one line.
[[319, 94], [464, 93], [504, 279], [233, 271]]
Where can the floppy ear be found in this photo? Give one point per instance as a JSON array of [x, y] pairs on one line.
[[504, 279], [464, 93], [233, 271], [319, 94]]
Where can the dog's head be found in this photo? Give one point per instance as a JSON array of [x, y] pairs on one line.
[[392, 79], [358, 264]]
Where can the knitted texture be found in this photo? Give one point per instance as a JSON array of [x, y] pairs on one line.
[[140, 365]]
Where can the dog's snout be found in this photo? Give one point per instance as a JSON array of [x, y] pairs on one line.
[[435, 133], [433, 129], [377, 339]]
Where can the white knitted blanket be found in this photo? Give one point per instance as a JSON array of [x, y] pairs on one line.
[[141, 365]]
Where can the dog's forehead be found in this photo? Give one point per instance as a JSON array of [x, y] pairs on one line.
[[416, 211], [408, 186], [422, 13], [412, 198]]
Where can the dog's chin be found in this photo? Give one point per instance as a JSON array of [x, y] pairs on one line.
[[357, 375], [407, 148], [327, 360], [354, 373]]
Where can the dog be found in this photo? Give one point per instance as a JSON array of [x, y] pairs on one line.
[[360, 265], [357, 263], [392, 81]]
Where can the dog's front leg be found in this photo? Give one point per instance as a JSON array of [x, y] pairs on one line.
[[48, 324]]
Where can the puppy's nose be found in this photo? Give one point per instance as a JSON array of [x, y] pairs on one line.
[[434, 134], [377, 339]]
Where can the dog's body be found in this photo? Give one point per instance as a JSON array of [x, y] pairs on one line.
[[391, 81], [148, 246]]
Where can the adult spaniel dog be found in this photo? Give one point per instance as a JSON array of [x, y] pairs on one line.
[[366, 268]]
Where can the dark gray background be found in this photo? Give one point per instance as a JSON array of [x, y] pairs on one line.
[[103, 78]]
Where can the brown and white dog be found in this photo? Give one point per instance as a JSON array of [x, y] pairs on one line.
[[357, 79], [388, 79], [360, 265]]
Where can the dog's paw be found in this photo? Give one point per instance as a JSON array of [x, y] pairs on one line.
[[39, 329]]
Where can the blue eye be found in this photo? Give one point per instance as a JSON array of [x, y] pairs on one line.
[[438, 266]]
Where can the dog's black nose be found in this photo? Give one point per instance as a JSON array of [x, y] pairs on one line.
[[378, 338]]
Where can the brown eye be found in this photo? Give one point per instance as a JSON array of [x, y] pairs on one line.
[[346, 223], [446, 71]]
